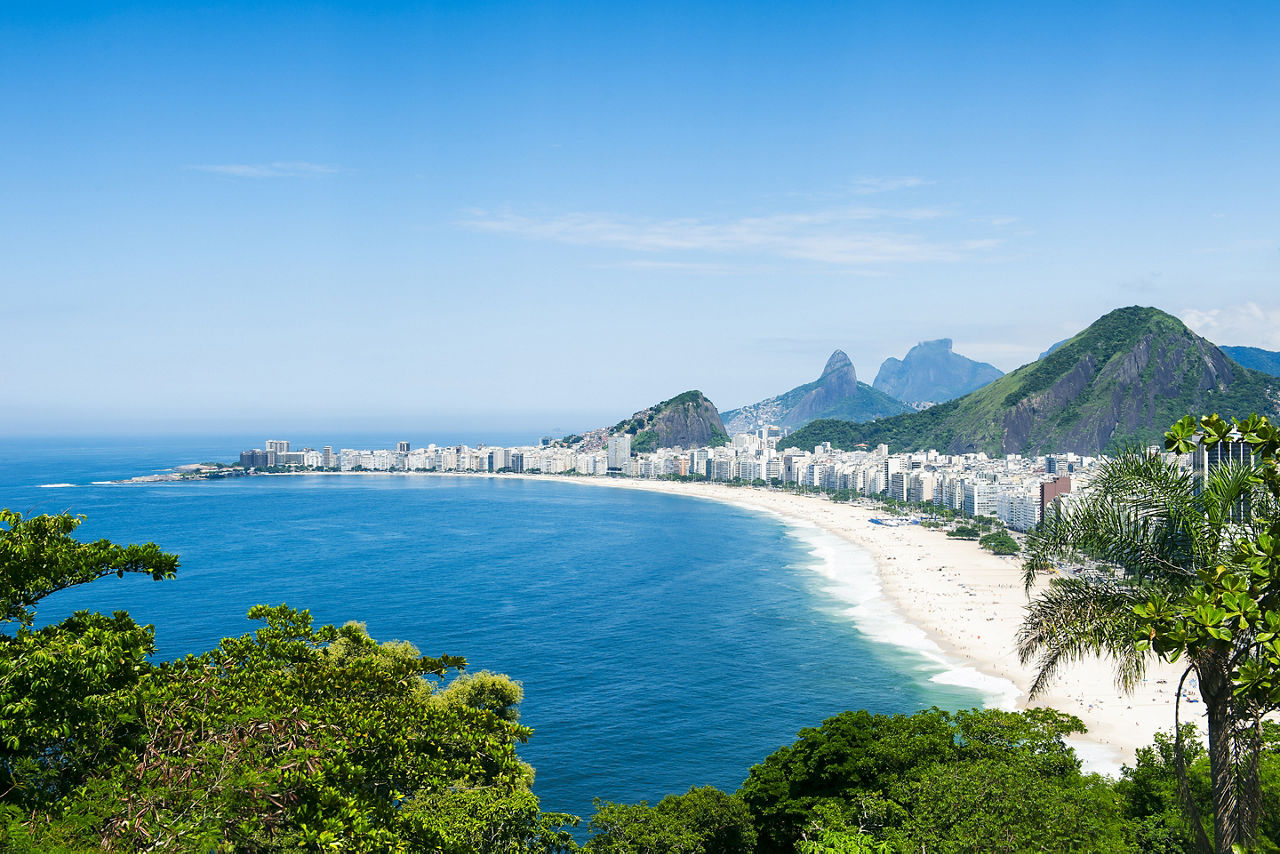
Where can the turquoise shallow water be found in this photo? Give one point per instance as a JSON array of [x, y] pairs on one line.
[[662, 641]]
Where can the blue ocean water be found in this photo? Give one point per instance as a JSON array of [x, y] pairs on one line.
[[662, 641]]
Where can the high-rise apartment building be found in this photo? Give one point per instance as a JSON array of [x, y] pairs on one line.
[[258, 458], [619, 451]]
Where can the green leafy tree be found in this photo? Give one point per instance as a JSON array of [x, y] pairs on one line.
[[1227, 623], [69, 691], [1184, 548], [703, 820], [301, 738], [999, 542], [828, 833], [294, 737], [1152, 792], [970, 781]]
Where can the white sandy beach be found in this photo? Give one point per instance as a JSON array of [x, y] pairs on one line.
[[969, 602]]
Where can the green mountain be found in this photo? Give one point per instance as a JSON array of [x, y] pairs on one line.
[[687, 420], [835, 394], [1255, 358], [1123, 380], [932, 373]]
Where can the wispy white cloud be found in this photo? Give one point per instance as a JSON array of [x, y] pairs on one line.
[[885, 184], [865, 186], [674, 266], [1243, 245], [841, 236], [1245, 324], [279, 169]]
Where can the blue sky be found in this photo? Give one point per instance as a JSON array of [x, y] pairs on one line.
[[298, 216]]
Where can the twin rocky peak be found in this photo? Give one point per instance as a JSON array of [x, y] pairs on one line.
[[930, 373]]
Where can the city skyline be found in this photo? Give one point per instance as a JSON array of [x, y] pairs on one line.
[[1015, 488], [540, 216]]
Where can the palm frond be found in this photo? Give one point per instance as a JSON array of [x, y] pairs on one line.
[[1235, 497], [1102, 528], [1156, 521], [1073, 619]]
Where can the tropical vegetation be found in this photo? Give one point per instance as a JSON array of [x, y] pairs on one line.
[[1195, 556], [290, 738]]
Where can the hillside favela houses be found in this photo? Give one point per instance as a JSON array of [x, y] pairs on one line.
[[1013, 489]]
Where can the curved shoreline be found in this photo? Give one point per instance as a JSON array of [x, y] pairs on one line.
[[966, 602], [853, 578]]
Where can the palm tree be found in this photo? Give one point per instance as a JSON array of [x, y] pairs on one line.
[[1159, 526]]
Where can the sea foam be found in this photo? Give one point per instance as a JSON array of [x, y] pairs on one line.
[[854, 579]]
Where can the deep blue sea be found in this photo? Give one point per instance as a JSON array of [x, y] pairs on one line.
[[662, 641]]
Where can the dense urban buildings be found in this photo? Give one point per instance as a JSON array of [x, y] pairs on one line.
[[1014, 489]]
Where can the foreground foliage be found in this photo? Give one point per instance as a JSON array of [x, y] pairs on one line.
[[1154, 792], [969, 781], [702, 821], [1197, 555], [975, 781], [303, 738], [290, 738]]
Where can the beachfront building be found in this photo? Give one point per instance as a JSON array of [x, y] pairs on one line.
[[921, 488], [980, 498], [1013, 489], [619, 453], [257, 458], [1018, 508]]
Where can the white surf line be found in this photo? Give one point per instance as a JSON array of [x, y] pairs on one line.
[[856, 581]]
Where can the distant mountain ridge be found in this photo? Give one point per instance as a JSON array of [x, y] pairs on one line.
[[688, 420], [1053, 348], [837, 393], [1255, 358], [931, 373], [1123, 380]]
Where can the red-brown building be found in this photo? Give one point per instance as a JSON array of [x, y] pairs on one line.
[[1051, 489]]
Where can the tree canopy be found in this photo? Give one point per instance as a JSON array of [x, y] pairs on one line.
[[982, 780], [293, 737]]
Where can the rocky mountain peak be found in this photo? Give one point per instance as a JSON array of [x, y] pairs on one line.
[[688, 420], [932, 373], [839, 361], [938, 345], [836, 393]]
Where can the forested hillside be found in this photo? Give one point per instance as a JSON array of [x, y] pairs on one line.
[[1121, 381]]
